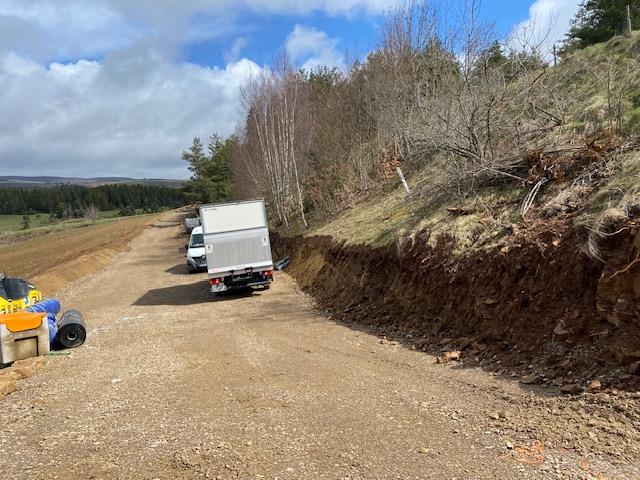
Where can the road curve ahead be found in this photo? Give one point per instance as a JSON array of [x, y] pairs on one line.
[[173, 384]]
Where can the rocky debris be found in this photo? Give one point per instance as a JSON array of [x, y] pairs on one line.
[[28, 367], [570, 388], [560, 330], [19, 370], [594, 387], [9, 375], [7, 386], [530, 379], [463, 343], [450, 356]]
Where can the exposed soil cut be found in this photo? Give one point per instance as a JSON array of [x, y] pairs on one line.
[[534, 304]]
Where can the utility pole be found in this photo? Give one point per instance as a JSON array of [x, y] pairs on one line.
[[629, 26]]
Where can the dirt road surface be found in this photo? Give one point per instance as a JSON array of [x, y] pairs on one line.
[[173, 384]]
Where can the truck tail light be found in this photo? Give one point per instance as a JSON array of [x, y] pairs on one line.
[[269, 273], [214, 281]]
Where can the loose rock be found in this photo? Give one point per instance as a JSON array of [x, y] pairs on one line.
[[571, 389], [449, 356], [7, 387], [530, 379], [594, 386]]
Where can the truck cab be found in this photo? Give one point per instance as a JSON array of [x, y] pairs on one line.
[[196, 255]]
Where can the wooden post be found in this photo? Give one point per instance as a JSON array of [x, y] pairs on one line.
[[629, 25], [555, 55]]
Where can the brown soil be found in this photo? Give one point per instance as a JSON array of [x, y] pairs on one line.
[[174, 384], [54, 260], [528, 305]]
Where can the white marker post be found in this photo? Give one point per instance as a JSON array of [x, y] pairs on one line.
[[403, 180]]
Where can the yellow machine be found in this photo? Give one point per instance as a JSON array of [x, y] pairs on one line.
[[22, 334], [17, 294]]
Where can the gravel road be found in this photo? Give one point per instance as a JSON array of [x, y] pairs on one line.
[[174, 384]]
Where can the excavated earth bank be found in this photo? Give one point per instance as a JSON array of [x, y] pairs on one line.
[[534, 305]]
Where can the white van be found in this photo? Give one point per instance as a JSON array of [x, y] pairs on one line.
[[196, 255]]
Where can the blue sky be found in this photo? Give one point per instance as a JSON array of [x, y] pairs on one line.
[[265, 36], [120, 87]]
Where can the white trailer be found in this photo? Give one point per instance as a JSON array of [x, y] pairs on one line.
[[237, 246]]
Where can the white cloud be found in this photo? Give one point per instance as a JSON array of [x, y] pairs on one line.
[[69, 29], [92, 87], [310, 48], [548, 22], [332, 7], [108, 118], [72, 29], [235, 50]]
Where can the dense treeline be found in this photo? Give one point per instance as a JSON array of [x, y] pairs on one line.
[[448, 95], [75, 201], [599, 20]]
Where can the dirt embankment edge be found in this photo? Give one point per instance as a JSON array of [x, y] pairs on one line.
[[530, 304]]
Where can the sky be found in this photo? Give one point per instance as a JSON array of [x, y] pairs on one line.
[[120, 87]]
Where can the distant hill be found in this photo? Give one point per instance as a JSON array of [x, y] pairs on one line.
[[31, 182]]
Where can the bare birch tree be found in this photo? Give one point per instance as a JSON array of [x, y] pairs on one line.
[[277, 135]]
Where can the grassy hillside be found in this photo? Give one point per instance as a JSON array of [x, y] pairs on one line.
[[594, 163], [601, 85], [483, 219]]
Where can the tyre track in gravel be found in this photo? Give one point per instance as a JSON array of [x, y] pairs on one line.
[[173, 384]]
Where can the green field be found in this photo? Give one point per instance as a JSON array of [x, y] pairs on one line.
[[14, 223]]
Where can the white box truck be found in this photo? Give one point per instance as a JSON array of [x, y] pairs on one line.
[[237, 246]]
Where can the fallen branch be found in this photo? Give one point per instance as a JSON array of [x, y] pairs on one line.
[[531, 196]]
